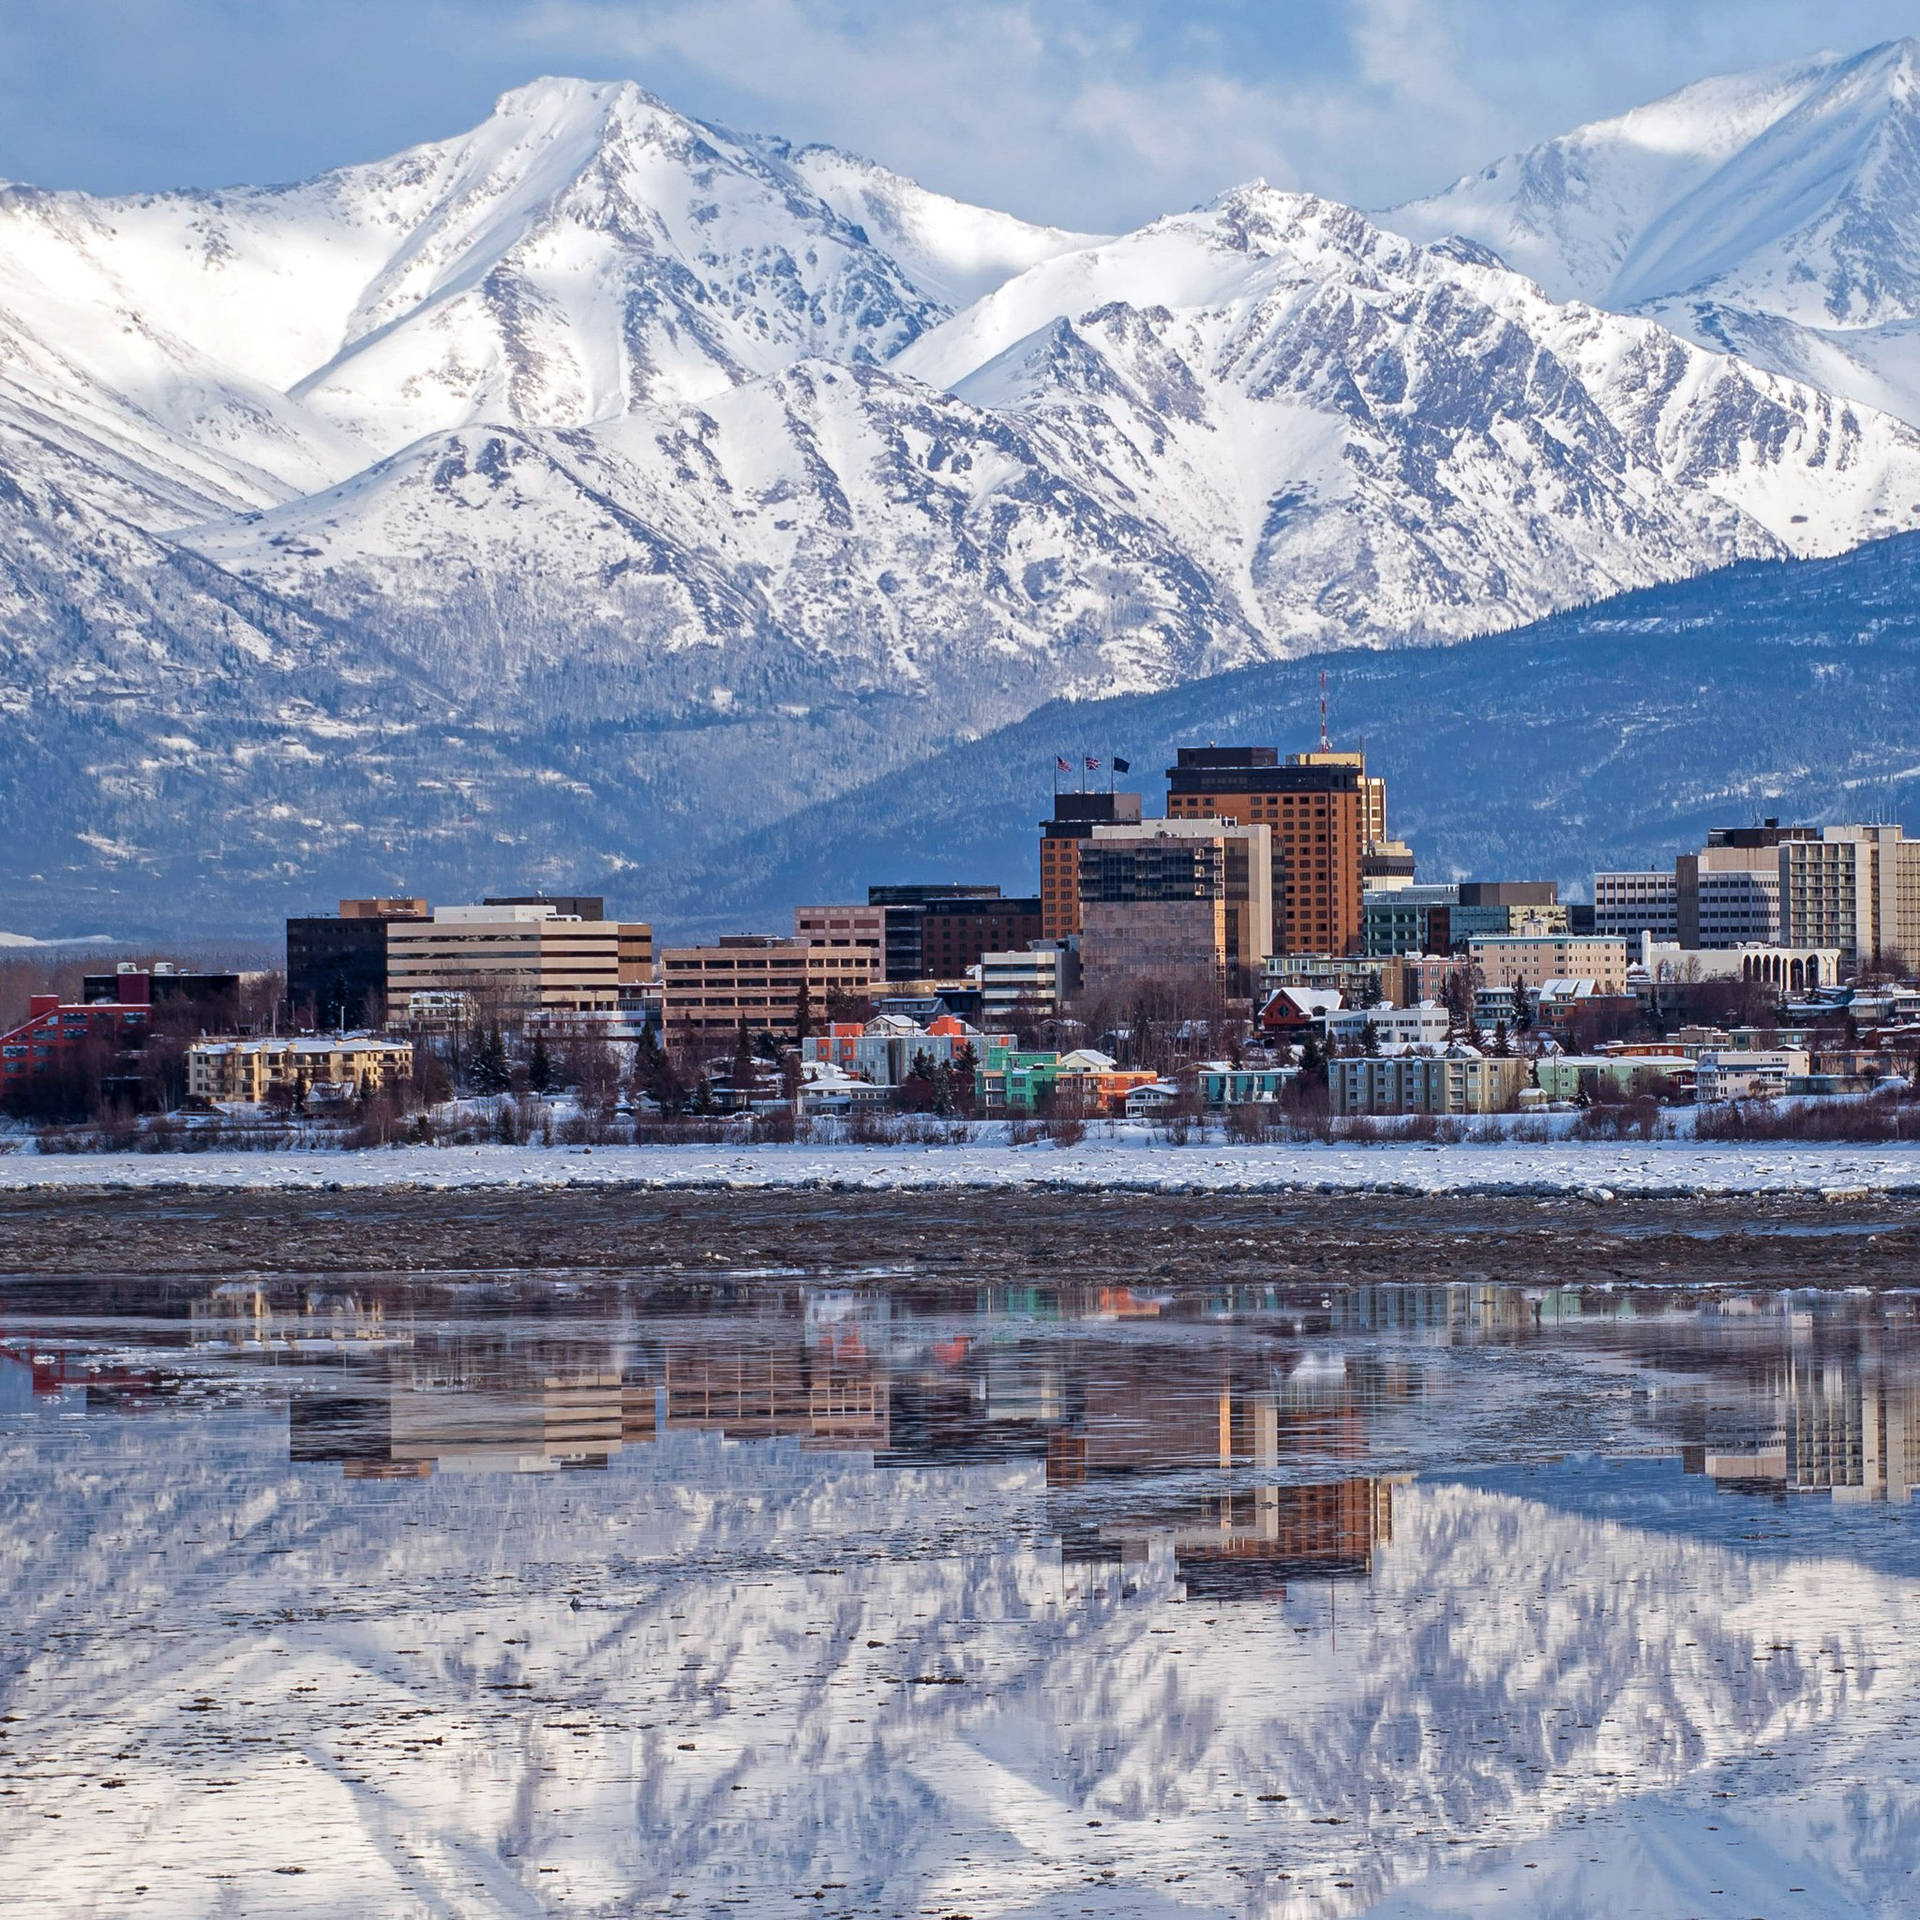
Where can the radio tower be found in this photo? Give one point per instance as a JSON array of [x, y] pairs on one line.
[[1326, 745]]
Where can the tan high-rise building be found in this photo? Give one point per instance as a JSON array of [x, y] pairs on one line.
[[511, 961], [1855, 888], [757, 978], [1317, 814]]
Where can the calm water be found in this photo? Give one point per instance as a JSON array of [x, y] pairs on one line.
[[514, 1596]]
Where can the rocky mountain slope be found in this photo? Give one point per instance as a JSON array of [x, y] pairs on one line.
[[584, 491], [1775, 215]]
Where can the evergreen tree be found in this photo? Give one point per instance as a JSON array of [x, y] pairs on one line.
[[742, 1075], [1313, 1062], [961, 1081], [1501, 1045], [540, 1065], [489, 1071], [916, 1090], [802, 1015]]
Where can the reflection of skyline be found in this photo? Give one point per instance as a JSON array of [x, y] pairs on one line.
[[855, 1591]]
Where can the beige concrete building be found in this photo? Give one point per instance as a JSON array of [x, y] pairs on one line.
[[1855, 888], [1176, 896], [849, 926], [1528, 959], [707, 991], [250, 1069], [511, 961]]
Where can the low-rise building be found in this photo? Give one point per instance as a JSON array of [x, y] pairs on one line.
[[1012, 1081], [1220, 1083], [1422, 1026], [1748, 1074], [1458, 1081], [1526, 959], [1573, 1076], [1035, 981], [53, 1033], [759, 979], [221, 1070]]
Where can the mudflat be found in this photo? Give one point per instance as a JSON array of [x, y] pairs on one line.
[[969, 1235]]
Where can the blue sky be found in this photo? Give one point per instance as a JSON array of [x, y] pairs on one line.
[[1092, 113]]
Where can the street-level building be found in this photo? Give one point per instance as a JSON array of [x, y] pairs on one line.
[[1421, 1026], [1220, 1083], [1034, 981], [53, 1033], [1748, 1073]]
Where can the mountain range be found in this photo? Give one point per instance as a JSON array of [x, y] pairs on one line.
[[604, 498]]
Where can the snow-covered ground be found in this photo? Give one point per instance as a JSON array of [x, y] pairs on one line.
[[1125, 1162]]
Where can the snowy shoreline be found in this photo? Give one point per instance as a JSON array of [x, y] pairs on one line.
[[1594, 1170]]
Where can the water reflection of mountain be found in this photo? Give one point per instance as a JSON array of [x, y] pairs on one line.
[[740, 1671]]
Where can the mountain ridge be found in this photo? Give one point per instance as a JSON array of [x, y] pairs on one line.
[[678, 480]]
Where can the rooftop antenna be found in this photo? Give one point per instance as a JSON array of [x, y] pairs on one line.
[[1326, 745]]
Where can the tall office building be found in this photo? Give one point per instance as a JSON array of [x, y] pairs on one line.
[[337, 963], [1177, 896], [1316, 808], [1728, 893], [937, 931], [1075, 815]]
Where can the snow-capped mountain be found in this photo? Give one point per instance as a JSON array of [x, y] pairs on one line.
[[784, 468], [1775, 215]]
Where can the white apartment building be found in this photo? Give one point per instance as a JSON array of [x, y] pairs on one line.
[[1626, 905], [1751, 1074], [1036, 980], [1426, 1025]]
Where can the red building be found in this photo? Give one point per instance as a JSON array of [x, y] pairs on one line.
[[51, 1030]]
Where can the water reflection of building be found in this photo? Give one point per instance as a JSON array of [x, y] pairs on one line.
[[240, 1317], [1835, 1428], [1251, 1542]]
